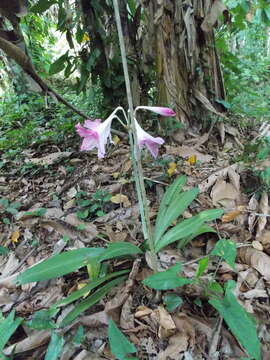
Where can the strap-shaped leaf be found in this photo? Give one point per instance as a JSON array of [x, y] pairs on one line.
[[187, 227], [177, 206], [7, 327], [119, 249], [59, 265], [180, 231], [92, 285], [172, 190], [91, 300], [204, 228]]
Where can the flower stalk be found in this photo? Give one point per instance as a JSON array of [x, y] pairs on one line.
[[135, 153]]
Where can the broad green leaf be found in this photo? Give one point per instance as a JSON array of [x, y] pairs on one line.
[[8, 326], [119, 344], [42, 320], [202, 266], [91, 300], [59, 64], [119, 249], [59, 265], [226, 249], [55, 347], [204, 228], [180, 231], [92, 285], [177, 206], [210, 215], [172, 301], [171, 191], [166, 280], [239, 321]]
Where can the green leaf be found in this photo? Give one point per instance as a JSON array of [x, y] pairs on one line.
[[8, 326], [204, 228], [120, 346], [42, 320], [91, 300], [167, 280], [174, 189], [172, 301], [59, 64], [11, 210], [92, 285], [239, 321], [59, 265], [4, 250], [79, 335], [37, 212], [55, 347], [119, 249], [203, 264], [82, 214], [226, 249], [41, 6], [177, 206], [180, 231]]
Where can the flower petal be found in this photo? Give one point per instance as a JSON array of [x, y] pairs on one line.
[[148, 140], [164, 111], [93, 125]]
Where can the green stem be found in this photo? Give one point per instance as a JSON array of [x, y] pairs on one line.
[[136, 161]]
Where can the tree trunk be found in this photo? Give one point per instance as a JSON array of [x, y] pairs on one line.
[[180, 39]]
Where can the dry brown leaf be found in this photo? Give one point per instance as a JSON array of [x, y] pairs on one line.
[[257, 245], [263, 209], [252, 206], [257, 259], [224, 193], [264, 239], [121, 199], [31, 342], [221, 129], [230, 216], [187, 151], [142, 311], [50, 159], [234, 178], [166, 325], [127, 316], [206, 184]]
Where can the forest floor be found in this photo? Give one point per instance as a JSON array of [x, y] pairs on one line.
[[69, 200]]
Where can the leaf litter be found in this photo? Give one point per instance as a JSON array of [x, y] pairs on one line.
[[191, 331]]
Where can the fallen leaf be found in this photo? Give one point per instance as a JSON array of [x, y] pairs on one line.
[[121, 199], [257, 259], [116, 139], [252, 206], [210, 181], [257, 245], [166, 325], [186, 151], [224, 193], [230, 216], [263, 209], [142, 311]]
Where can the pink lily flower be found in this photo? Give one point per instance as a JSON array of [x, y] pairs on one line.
[[164, 111], [95, 134], [149, 141]]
